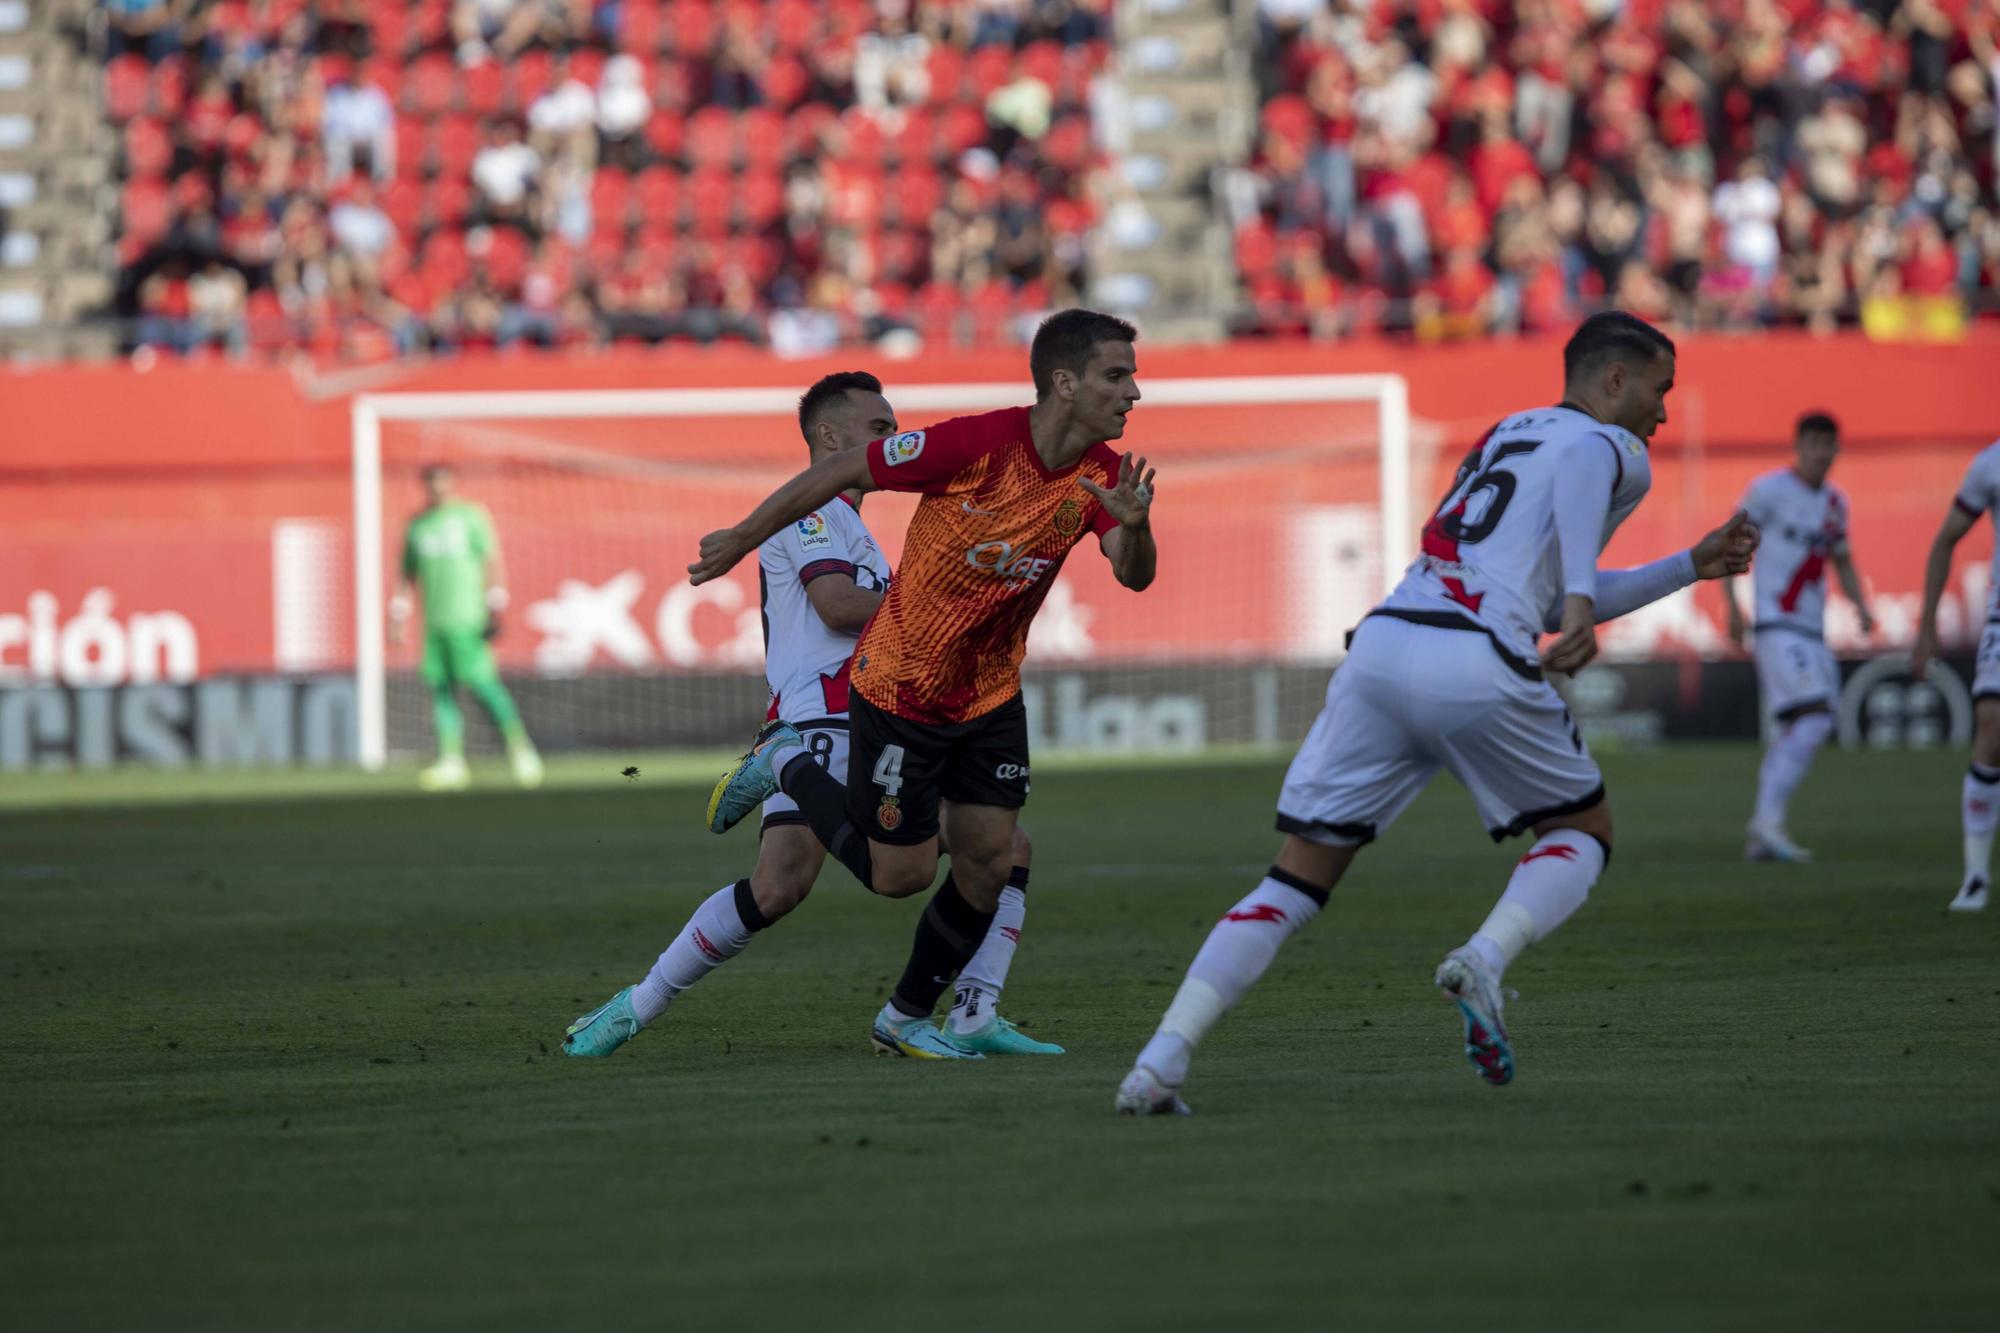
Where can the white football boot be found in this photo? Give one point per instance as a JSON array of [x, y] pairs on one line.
[[1971, 895], [1467, 984], [449, 774], [1768, 842], [1142, 1093]]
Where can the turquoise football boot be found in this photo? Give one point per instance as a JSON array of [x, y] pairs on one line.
[[918, 1038], [999, 1037], [604, 1029], [751, 781]]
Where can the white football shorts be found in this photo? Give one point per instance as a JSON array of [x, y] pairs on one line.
[[1411, 699], [826, 741], [1986, 671], [1795, 671]]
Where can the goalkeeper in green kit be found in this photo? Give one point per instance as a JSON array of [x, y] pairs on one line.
[[452, 554]]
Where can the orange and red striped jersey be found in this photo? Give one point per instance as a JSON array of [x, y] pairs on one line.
[[987, 541]]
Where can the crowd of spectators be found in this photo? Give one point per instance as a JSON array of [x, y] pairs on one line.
[[365, 179], [1455, 168]]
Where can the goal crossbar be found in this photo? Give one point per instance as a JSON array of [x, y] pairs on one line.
[[1389, 393]]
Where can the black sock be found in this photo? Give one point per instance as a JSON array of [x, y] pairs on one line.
[[823, 801], [1981, 773], [1017, 878], [948, 934], [746, 907]]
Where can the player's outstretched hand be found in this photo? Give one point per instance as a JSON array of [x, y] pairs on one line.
[[1728, 549], [719, 553], [1576, 643], [1922, 651], [1132, 498]]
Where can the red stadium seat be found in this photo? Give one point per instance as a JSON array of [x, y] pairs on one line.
[[1256, 250], [963, 127], [413, 147], [148, 150], [386, 75], [947, 70], [432, 85], [458, 142], [604, 253], [711, 198], [785, 81], [854, 194], [610, 200], [146, 209], [450, 200], [711, 138], [794, 26], [1290, 117], [1042, 60], [693, 28], [587, 66], [761, 198], [913, 139], [865, 137], [430, 24], [917, 194], [506, 258], [391, 26], [126, 90], [666, 133], [640, 28], [403, 201], [485, 90], [1067, 144], [532, 71], [804, 126], [990, 69], [445, 263], [659, 197], [170, 82], [762, 134]]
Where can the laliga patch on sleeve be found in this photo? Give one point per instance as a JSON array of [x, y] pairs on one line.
[[902, 448], [814, 534]]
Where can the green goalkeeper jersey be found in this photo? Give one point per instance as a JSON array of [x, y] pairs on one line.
[[445, 551]]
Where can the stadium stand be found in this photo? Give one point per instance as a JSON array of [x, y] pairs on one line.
[[362, 180], [1465, 167]]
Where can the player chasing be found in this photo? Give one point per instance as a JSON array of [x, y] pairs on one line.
[[450, 551], [1444, 673], [1802, 521], [938, 734], [822, 579], [1979, 801]]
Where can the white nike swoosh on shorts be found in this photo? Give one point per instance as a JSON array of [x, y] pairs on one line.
[[968, 507]]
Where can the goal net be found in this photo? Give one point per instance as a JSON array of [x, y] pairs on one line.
[[1285, 506]]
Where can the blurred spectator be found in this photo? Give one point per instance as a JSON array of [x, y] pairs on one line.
[[623, 108], [216, 297], [357, 123], [150, 28], [504, 172]]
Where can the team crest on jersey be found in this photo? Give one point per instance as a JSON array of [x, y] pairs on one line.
[[902, 448], [889, 814], [814, 532], [1069, 518]]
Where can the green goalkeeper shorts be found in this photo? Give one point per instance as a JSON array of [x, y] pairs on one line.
[[457, 657]]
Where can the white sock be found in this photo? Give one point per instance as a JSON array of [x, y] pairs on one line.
[[1980, 809], [1786, 763], [1548, 885], [715, 933], [1237, 951], [984, 976]]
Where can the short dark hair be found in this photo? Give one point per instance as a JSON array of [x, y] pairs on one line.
[[1816, 423], [1064, 340], [828, 388], [430, 470], [1611, 333]]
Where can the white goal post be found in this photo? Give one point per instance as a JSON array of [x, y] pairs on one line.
[[1388, 393]]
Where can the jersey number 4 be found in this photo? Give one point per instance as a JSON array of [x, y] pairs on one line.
[[1450, 529]]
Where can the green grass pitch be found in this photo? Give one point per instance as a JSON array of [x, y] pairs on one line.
[[294, 1063]]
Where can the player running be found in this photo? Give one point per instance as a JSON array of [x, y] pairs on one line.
[[451, 552], [938, 732], [822, 578], [1979, 803], [1802, 519], [1444, 674]]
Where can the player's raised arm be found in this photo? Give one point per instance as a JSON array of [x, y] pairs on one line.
[[1130, 548], [1937, 570], [817, 485], [1721, 554]]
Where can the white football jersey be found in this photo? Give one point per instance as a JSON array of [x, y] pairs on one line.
[[1490, 553], [1980, 494], [805, 663], [1801, 528]]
